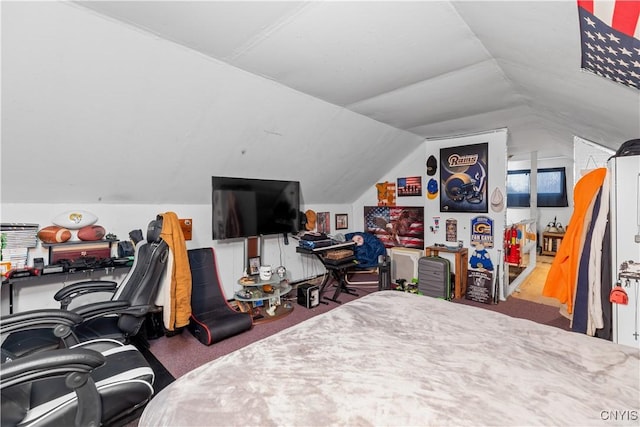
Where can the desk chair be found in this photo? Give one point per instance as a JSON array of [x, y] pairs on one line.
[[373, 266], [119, 318], [80, 386], [379, 277]]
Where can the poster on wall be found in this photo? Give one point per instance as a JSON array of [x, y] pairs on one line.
[[436, 225], [479, 286], [481, 239], [386, 193], [452, 230], [396, 226], [482, 231], [324, 225], [410, 186], [463, 178]]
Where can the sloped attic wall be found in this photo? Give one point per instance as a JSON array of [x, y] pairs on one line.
[[97, 115], [433, 68], [119, 116]]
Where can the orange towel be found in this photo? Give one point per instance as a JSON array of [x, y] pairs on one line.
[[180, 289], [563, 275]]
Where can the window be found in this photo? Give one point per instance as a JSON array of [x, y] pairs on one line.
[[552, 188], [518, 190]]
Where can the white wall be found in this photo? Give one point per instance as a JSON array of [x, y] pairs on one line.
[[587, 156], [133, 125], [415, 165], [496, 178], [412, 165], [121, 219], [114, 90], [121, 116]]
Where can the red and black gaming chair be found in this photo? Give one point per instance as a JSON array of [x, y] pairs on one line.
[[212, 318]]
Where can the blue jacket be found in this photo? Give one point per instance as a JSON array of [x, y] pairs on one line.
[[367, 253]]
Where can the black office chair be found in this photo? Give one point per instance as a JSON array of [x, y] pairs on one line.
[[118, 318], [74, 387], [212, 319]]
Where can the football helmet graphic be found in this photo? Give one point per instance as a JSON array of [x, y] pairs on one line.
[[467, 184]]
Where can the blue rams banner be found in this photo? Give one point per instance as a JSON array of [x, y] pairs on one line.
[[463, 178]]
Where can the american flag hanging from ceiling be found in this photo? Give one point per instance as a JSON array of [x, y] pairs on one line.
[[610, 35]]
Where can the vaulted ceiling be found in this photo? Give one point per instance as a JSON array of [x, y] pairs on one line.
[[433, 68], [367, 83]]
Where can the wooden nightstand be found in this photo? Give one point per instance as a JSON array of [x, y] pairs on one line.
[[551, 243], [461, 261]]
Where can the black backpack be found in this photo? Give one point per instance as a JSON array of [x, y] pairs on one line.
[[629, 148]]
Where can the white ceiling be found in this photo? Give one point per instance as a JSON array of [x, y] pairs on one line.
[[433, 68], [143, 101]]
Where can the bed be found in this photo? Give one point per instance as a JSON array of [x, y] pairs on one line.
[[400, 359]]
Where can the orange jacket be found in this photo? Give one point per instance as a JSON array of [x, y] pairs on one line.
[[563, 276], [180, 287]]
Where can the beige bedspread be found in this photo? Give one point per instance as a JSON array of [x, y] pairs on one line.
[[399, 359]]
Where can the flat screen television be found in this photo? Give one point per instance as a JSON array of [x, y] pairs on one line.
[[245, 207]]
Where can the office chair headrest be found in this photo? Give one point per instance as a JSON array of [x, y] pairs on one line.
[[135, 236], [154, 229]]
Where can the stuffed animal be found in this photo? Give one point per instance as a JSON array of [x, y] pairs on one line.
[[480, 258]]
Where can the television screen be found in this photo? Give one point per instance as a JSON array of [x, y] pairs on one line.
[[244, 207]]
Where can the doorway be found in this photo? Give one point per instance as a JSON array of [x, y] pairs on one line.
[[531, 288]]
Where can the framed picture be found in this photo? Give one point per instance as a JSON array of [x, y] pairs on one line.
[[463, 178], [323, 224], [410, 186], [342, 221], [254, 265], [396, 226]]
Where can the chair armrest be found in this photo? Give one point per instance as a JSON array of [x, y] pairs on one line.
[[99, 309], [39, 319], [47, 364], [74, 364], [67, 294], [140, 310], [60, 322]]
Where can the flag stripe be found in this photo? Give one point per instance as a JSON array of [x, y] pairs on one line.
[[622, 15], [625, 17], [603, 10], [586, 5]]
